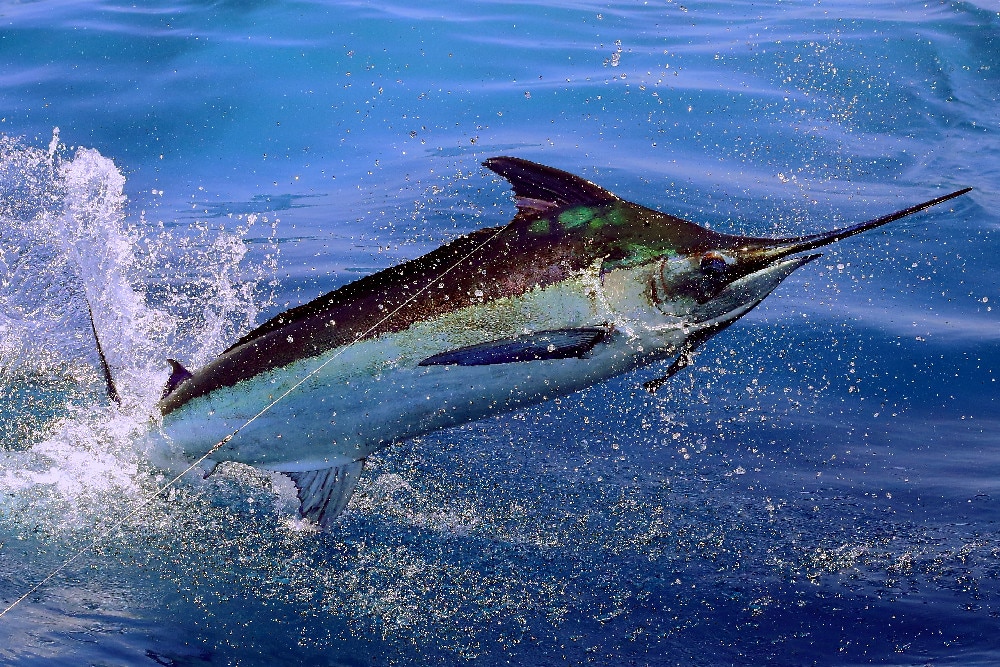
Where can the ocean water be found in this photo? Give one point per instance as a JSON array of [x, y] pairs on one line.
[[822, 487]]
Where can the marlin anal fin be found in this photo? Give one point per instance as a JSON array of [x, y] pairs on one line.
[[177, 375], [208, 468], [537, 346], [323, 494], [538, 189]]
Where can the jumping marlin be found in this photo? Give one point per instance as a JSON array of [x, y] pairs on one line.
[[579, 287]]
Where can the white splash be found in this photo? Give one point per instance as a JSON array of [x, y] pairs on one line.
[[66, 240]]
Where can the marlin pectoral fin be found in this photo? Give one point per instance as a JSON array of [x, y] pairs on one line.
[[538, 346], [177, 375], [323, 494]]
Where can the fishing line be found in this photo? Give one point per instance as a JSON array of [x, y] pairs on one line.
[[217, 446]]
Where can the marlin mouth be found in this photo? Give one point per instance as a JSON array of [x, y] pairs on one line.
[[739, 295]]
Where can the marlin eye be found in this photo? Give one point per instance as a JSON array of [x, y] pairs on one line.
[[713, 263]]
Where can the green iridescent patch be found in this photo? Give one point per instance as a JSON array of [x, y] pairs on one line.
[[610, 216], [575, 217], [540, 226], [615, 216], [636, 253]]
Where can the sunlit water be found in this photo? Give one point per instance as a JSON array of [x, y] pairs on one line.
[[820, 488]]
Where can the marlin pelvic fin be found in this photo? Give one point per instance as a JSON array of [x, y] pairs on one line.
[[682, 361], [324, 494], [177, 375], [538, 346], [105, 368], [686, 355], [538, 188]]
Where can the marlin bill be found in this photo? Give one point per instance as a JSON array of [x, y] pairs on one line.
[[579, 287]]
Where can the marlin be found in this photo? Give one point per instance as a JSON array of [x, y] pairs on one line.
[[579, 287]]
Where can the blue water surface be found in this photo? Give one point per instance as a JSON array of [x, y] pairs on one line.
[[820, 488]]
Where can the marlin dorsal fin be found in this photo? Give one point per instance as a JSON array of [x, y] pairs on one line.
[[538, 188], [324, 494], [177, 375]]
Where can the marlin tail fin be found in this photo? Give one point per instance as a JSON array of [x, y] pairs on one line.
[[108, 380]]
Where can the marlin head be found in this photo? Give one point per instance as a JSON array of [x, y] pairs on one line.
[[659, 272]]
